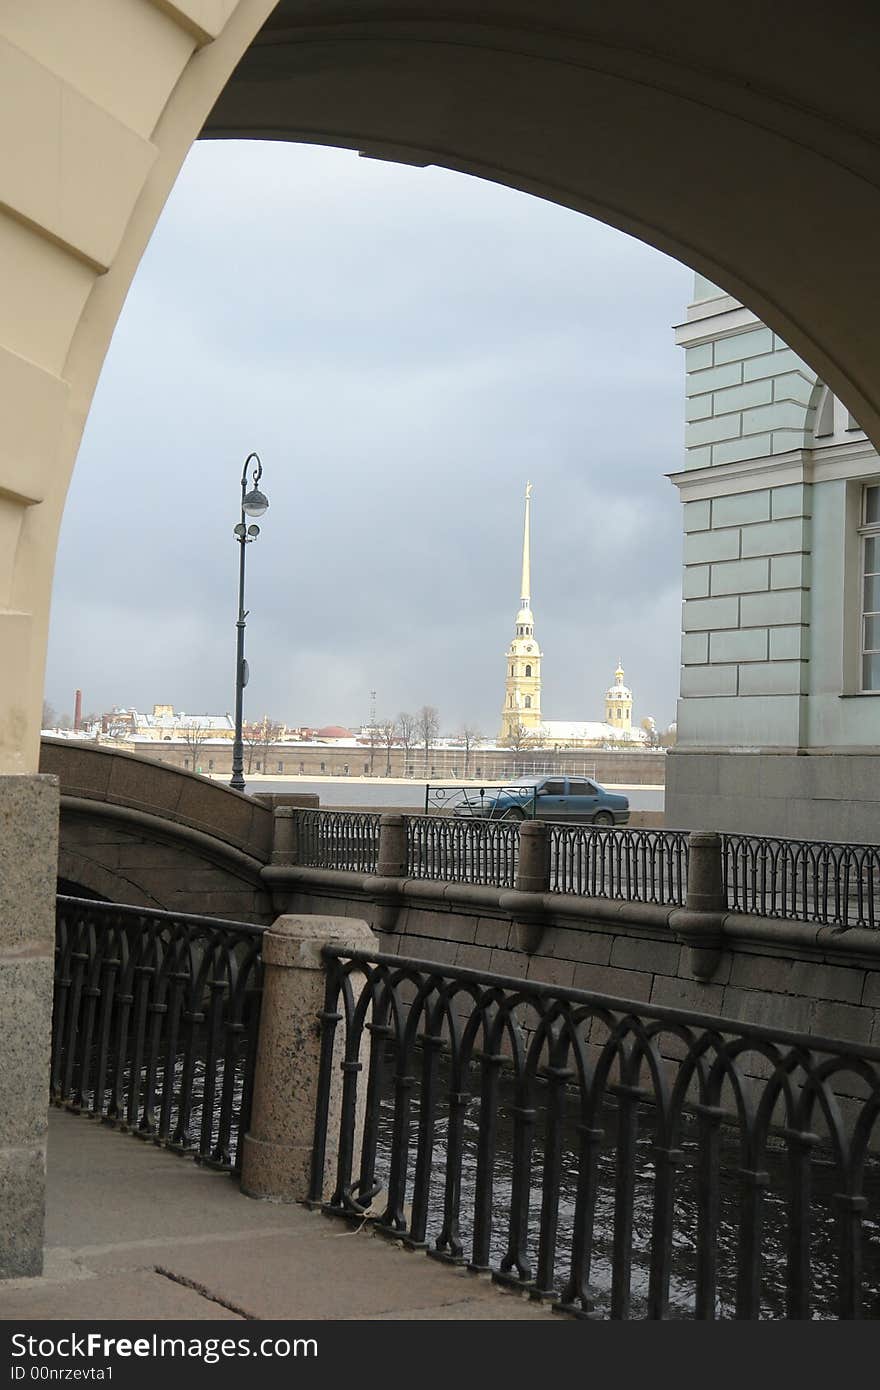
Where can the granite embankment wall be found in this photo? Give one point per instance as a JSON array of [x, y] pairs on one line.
[[811, 979], [148, 834]]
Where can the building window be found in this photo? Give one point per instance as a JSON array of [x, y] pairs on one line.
[[322, 767], [870, 625], [210, 764], [186, 762], [528, 670], [528, 702], [280, 767], [259, 767]]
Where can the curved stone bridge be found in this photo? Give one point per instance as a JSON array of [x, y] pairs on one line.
[[139, 831]]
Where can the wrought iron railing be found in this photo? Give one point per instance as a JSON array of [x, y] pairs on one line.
[[500, 801], [462, 851], [339, 840], [646, 866], [619, 1159], [835, 884], [155, 1023]]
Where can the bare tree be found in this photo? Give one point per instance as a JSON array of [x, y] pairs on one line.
[[388, 732], [406, 727], [427, 728], [272, 731], [195, 736], [471, 738], [374, 741], [49, 716], [520, 737], [259, 738], [65, 722]]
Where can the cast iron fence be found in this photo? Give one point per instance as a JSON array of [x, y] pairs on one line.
[[809, 881], [833, 884], [645, 866], [339, 840], [462, 851], [619, 1159], [155, 1023]]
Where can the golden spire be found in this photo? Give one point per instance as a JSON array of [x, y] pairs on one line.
[[525, 599]]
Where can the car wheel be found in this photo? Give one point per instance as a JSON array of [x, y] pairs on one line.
[[603, 818], [513, 813]]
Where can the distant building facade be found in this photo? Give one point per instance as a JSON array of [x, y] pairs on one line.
[[163, 725]]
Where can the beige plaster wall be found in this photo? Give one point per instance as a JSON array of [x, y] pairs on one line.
[[104, 100]]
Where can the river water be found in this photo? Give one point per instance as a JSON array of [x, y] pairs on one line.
[[378, 792]]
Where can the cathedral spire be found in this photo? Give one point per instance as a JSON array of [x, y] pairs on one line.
[[525, 588], [522, 690]]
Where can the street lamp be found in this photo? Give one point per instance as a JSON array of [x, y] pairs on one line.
[[253, 503]]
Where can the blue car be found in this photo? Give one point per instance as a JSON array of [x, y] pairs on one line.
[[572, 800]]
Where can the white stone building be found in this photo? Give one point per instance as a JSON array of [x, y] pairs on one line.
[[779, 716]]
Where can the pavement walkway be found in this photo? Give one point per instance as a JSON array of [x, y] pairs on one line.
[[136, 1232]]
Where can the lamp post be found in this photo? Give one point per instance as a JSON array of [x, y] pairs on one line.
[[253, 503]]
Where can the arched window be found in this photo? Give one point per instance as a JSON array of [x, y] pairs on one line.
[[528, 670], [528, 702]]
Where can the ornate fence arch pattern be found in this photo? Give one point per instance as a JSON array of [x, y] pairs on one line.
[[662, 1163], [646, 866], [462, 850], [339, 840], [155, 1023], [809, 881]]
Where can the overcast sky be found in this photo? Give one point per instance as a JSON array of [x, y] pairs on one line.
[[404, 348]]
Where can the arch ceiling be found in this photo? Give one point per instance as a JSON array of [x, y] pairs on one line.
[[739, 137]]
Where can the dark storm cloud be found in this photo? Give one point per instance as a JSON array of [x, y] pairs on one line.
[[404, 348]]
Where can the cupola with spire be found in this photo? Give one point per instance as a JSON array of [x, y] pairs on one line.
[[618, 702]]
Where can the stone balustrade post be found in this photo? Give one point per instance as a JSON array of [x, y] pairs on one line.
[[277, 1152], [699, 925], [285, 835], [532, 878], [705, 891], [391, 867], [392, 846], [533, 866]]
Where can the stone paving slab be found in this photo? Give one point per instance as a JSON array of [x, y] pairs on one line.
[[312, 1274], [145, 1294], [135, 1232]]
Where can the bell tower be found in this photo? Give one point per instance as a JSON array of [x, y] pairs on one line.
[[522, 686]]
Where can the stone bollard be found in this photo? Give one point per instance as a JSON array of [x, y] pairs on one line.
[[390, 870], [392, 846], [285, 835], [532, 876], [533, 866], [277, 1151], [700, 924], [705, 872]]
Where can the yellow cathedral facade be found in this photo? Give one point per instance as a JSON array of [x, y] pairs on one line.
[[521, 716]]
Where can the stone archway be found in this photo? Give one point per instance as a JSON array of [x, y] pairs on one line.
[[746, 148], [733, 151]]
